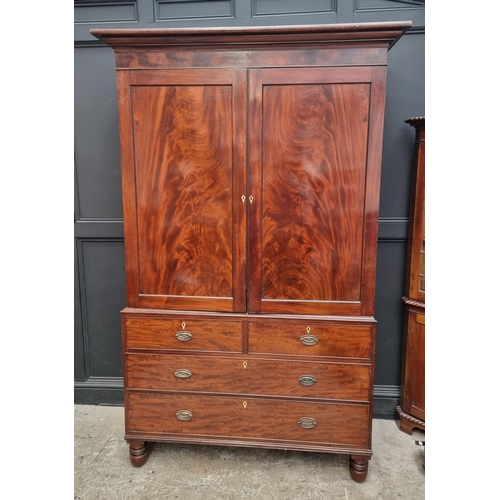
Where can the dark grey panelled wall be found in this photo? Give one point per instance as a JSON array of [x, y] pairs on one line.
[[99, 256]]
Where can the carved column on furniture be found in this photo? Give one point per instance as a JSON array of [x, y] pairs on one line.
[[411, 413]]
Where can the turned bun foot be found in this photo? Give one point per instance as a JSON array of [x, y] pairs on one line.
[[138, 453], [358, 467]]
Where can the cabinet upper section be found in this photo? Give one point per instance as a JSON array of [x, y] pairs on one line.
[[312, 45], [251, 163]]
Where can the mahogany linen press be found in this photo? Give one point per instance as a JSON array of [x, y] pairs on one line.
[[251, 163]]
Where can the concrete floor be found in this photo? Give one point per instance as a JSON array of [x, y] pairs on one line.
[[192, 472]]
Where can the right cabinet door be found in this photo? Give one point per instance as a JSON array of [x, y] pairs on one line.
[[315, 145]]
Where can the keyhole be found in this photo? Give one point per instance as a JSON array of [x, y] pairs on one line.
[[245, 365], [308, 329], [183, 325], [244, 404]]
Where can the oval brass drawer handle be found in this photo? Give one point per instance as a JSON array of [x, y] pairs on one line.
[[183, 335], [307, 380], [182, 373], [184, 415], [309, 339], [307, 422]]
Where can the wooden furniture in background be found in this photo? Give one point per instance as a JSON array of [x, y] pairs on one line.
[[411, 413], [251, 170]]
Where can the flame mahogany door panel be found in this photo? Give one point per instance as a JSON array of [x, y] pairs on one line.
[[315, 139], [186, 242]]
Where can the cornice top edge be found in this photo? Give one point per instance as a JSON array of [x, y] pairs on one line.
[[386, 32], [416, 119]]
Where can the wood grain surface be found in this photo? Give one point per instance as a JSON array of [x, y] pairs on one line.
[[314, 160], [249, 376], [151, 333], [149, 58], [260, 418], [183, 161], [284, 338]]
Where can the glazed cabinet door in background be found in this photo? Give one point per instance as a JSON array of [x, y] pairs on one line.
[[184, 150], [315, 139]]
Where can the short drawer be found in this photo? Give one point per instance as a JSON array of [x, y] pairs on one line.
[[309, 339], [249, 376], [253, 418], [183, 334]]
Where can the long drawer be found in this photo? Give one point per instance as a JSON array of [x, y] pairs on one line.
[[179, 334], [254, 418], [309, 339], [249, 376]]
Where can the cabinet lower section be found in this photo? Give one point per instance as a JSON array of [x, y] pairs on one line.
[[289, 382]]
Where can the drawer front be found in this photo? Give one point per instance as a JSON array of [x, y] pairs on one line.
[[185, 335], [309, 339], [252, 418], [249, 376]]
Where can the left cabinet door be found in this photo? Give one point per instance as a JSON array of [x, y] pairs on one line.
[[183, 149]]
